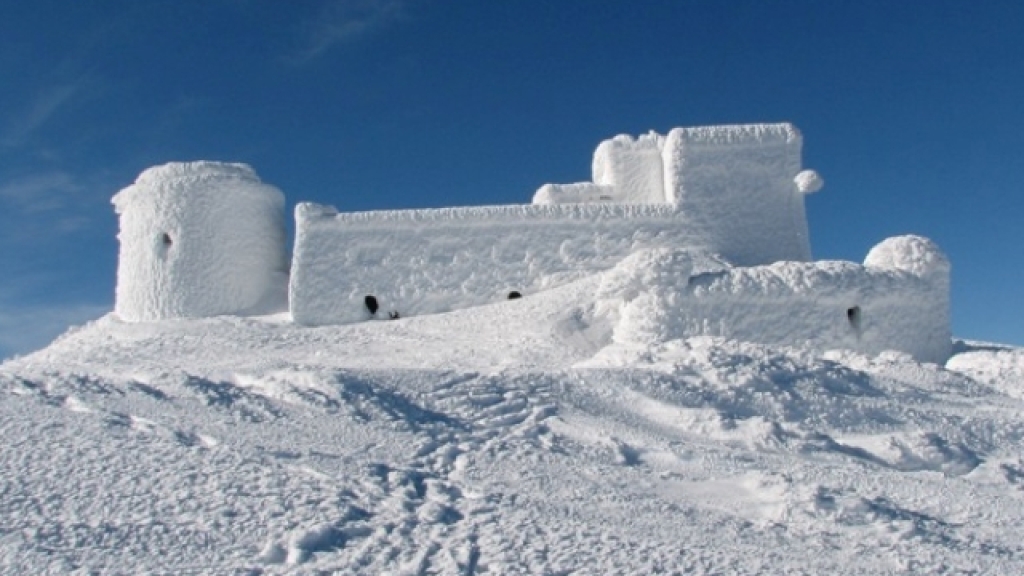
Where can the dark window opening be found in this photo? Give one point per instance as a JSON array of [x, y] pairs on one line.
[[163, 245], [853, 315], [394, 315], [371, 304], [514, 295]]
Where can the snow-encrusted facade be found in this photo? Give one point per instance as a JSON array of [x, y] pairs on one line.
[[897, 300], [731, 191], [739, 190], [428, 261], [199, 239], [728, 195]]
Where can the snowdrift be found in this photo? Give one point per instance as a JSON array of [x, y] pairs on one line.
[[534, 436]]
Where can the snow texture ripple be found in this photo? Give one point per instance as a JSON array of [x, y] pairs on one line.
[[523, 437]]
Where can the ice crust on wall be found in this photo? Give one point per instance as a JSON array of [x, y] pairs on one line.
[[199, 239], [736, 186], [625, 170], [631, 168], [740, 189], [429, 261], [656, 296]]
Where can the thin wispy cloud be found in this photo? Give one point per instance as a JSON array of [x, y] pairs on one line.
[[344, 21], [38, 193], [38, 113], [55, 201]]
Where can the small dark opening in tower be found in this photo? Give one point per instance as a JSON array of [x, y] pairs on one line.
[[165, 239], [853, 315], [514, 295], [371, 304]]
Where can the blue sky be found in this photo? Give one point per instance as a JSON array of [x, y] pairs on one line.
[[913, 112]]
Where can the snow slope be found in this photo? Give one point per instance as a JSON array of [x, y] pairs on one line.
[[515, 438]]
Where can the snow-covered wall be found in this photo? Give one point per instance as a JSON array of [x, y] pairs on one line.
[[740, 189], [731, 191], [898, 300], [428, 261], [737, 186], [199, 239]]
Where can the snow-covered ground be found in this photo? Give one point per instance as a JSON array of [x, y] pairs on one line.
[[515, 438]]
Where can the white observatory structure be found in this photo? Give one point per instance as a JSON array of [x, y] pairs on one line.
[[200, 239]]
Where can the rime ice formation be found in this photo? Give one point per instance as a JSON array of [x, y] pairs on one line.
[[898, 300], [698, 232], [739, 189], [913, 254], [808, 182], [429, 261], [625, 170], [199, 239]]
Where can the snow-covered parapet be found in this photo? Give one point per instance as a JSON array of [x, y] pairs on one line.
[[199, 239], [625, 170], [631, 168], [920, 258], [898, 300], [740, 189]]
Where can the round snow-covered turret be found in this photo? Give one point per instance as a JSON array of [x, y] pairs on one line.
[[200, 239], [915, 254], [928, 337]]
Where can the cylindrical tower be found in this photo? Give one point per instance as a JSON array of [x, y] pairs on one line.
[[200, 239]]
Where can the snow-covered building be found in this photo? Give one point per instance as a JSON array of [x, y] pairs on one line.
[[732, 191], [897, 300], [738, 190], [726, 203], [199, 239]]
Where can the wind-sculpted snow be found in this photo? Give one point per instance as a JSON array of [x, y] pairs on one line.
[[517, 438]]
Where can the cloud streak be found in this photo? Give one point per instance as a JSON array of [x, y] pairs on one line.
[[344, 21], [42, 108], [37, 193]]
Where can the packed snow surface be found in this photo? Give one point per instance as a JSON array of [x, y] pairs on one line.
[[520, 437]]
